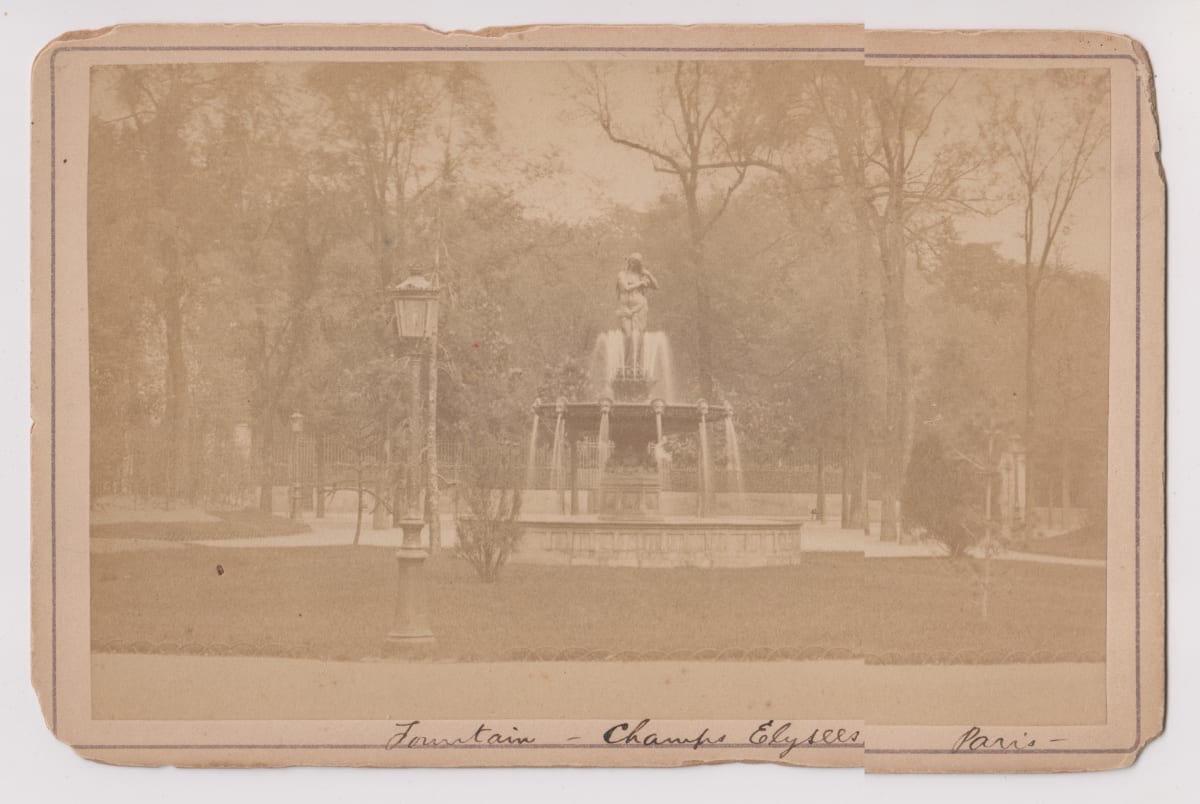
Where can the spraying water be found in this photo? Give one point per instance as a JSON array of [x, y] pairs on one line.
[[531, 461], [660, 451], [556, 467], [609, 360], [603, 449], [658, 365], [602, 441], [705, 473], [733, 457]]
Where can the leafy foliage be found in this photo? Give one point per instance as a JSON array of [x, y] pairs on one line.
[[941, 496], [246, 219], [488, 530]]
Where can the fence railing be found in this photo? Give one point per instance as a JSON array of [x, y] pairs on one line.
[[227, 474]]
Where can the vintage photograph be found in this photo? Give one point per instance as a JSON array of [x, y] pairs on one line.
[[597, 396], [762, 360]]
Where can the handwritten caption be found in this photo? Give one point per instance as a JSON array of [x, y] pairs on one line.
[[645, 733], [783, 736], [973, 739]]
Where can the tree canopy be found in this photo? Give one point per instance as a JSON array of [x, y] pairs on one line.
[[843, 256]]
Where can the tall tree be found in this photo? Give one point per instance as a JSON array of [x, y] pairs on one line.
[[401, 131], [162, 110], [904, 179], [124, 326], [1073, 378], [797, 112], [1049, 128], [696, 105]]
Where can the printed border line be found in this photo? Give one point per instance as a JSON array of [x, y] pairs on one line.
[[54, 416], [1064, 56], [473, 746], [604, 49], [461, 49], [580, 49]]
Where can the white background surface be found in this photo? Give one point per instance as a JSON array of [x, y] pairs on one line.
[[35, 767]]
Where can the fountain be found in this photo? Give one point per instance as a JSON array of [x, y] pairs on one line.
[[627, 516]]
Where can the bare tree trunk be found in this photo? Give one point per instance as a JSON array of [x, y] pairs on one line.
[[859, 514], [1030, 422], [1065, 473], [573, 474], [359, 500], [821, 485], [379, 513], [266, 447], [703, 307], [395, 476], [864, 501], [432, 496], [320, 484], [855, 463], [843, 511], [384, 478], [178, 407], [899, 386]]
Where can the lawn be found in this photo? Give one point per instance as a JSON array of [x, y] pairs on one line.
[[227, 525], [336, 603], [928, 610]]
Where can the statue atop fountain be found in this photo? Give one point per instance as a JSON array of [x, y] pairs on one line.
[[632, 282], [627, 504]]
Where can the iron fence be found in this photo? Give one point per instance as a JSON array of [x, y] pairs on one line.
[[226, 473]]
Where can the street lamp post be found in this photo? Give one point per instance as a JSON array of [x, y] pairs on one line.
[[416, 314], [297, 426]]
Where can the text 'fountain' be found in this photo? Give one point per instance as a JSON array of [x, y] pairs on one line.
[[622, 509]]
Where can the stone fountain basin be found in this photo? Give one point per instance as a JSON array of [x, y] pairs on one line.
[[673, 541]]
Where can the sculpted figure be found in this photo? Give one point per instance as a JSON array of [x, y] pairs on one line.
[[632, 283]]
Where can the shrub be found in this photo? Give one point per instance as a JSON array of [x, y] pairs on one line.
[[941, 495], [490, 490]]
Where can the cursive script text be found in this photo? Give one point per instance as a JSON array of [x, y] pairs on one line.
[[643, 734], [781, 736], [973, 739], [407, 736]]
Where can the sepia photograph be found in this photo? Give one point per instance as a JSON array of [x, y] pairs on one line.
[[617, 355], [578, 386]]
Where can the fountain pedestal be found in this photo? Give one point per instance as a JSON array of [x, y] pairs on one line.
[[630, 497]]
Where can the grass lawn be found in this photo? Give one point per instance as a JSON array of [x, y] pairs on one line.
[[336, 603], [928, 609], [229, 525]]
